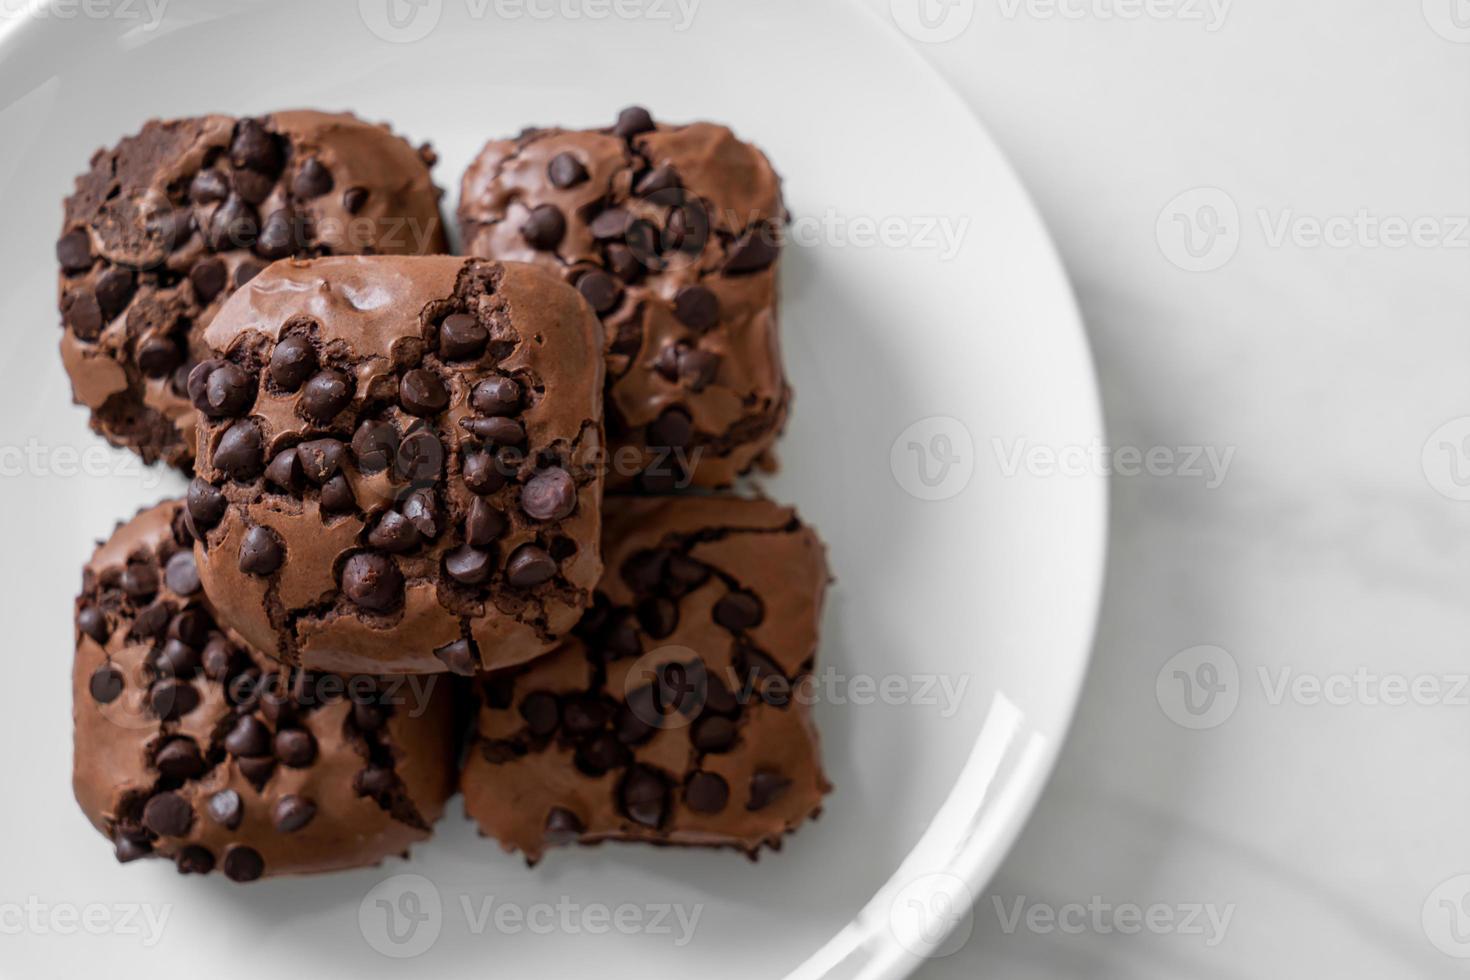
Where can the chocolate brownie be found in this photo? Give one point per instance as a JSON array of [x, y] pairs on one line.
[[678, 713], [400, 463], [671, 233], [192, 747], [167, 223]]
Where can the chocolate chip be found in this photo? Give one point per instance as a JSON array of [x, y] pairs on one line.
[[177, 659], [243, 863], [253, 186], [325, 395], [562, 826], [469, 566], [295, 747], [208, 277], [208, 186], [369, 717], [644, 570], [713, 734], [599, 754], [83, 314], [353, 198], [483, 524], [601, 291], [766, 787], [697, 307], [394, 533], [321, 459], [152, 620], [697, 368], [421, 393], [550, 495], [658, 616], [140, 582], [234, 225], [738, 611], [159, 356], [191, 627], [194, 859], [218, 659], [130, 849], [105, 684], [542, 713], [497, 431], [374, 781], [623, 262], [181, 575], [205, 503], [220, 389], [584, 715], [755, 250], [422, 511], [706, 792], [632, 121], [253, 148], [673, 429], [225, 809], [420, 457], [496, 396], [565, 171], [610, 225], [685, 574], [544, 227], [529, 566], [662, 178], [372, 581], [461, 338], [260, 553], [257, 769], [179, 758], [644, 796], [336, 496], [171, 699], [74, 251], [247, 271], [248, 738], [168, 815], [312, 180], [292, 362], [114, 289], [374, 445], [277, 236], [285, 471], [93, 622], [459, 657], [482, 474]]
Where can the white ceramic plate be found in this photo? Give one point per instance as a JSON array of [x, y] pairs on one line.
[[920, 364]]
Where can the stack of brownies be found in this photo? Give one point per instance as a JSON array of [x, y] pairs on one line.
[[427, 488]]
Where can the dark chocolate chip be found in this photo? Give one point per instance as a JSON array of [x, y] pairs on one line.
[[469, 566], [706, 792], [542, 713], [140, 582], [673, 429], [584, 715], [218, 659], [658, 616], [208, 277], [565, 171], [610, 225], [713, 734], [168, 815], [685, 574], [459, 657], [353, 198], [325, 395], [292, 362], [194, 859], [277, 235], [336, 496], [368, 717], [738, 611], [181, 575], [191, 627], [158, 357], [179, 758], [208, 186], [601, 291], [421, 393], [544, 227], [697, 368], [632, 121], [93, 622], [461, 338], [205, 503], [482, 473], [248, 738], [321, 459], [374, 445], [755, 250], [562, 826], [372, 581], [234, 225], [697, 307], [374, 781], [496, 396], [312, 180], [105, 684], [171, 699], [220, 389], [483, 524], [83, 315], [394, 533], [74, 251], [662, 178], [177, 659], [766, 787], [243, 863], [260, 552], [257, 769], [238, 454], [420, 457], [550, 495], [285, 471], [131, 849], [422, 511], [600, 754], [497, 431], [114, 289], [246, 271], [295, 748], [644, 796], [530, 566], [225, 809], [153, 620], [623, 262], [255, 149], [253, 186]]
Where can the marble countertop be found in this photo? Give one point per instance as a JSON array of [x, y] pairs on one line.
[[1265, 211]]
